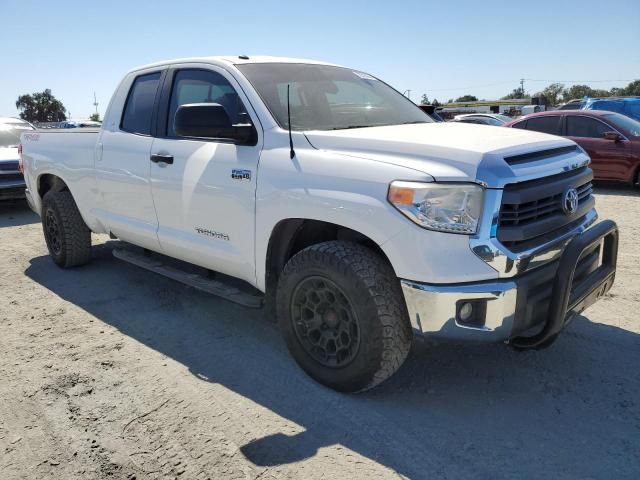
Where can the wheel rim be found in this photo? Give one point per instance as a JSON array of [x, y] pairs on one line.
[[325, 322], [53, 232]]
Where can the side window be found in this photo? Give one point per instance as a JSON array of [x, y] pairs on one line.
[[581, 126], [204, 86], [139, 107], [522, 125], [549, 124]]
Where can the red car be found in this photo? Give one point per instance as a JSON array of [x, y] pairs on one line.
[[612, 140]]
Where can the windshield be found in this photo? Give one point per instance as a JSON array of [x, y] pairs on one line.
[[329, 98], [629, 125], [9, 137]]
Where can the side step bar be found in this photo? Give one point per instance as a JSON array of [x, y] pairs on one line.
[[165, 266]]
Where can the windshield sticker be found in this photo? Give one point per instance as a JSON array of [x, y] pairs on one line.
[[364, 76]]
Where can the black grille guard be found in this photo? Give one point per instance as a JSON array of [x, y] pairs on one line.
[[569, 299]]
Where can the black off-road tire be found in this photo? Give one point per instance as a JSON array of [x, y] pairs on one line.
[[372, 290], [68, 237]]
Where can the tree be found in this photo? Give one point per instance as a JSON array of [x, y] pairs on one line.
[[553, 93], [424, 100], [435, 102], [41, 107], [516, 93], [633, 88], [467, 98], [580, 91], [95, 117]]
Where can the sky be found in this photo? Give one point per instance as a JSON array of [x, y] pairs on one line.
[[445, 49]]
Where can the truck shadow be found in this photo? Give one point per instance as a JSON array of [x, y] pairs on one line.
[[16, 213], [478, 411]]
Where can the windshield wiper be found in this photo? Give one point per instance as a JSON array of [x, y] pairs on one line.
[[355, 126]]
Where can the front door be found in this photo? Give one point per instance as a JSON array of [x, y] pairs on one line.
[[204, 189], [610, 159], [123, 168]]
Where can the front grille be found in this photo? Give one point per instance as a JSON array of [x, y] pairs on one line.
[[11, 166], [532, 210]]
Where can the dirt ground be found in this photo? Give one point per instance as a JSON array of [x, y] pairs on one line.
[[109, 371]]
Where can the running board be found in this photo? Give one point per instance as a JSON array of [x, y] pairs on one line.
[[165, 266]]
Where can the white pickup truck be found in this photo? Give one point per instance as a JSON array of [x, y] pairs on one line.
[[324, 192]]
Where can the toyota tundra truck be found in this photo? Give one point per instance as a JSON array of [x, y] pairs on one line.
[[325, 195]]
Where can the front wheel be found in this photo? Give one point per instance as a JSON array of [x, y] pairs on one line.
[[341, 311]]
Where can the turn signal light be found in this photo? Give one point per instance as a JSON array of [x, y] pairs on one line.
[[401, 196]]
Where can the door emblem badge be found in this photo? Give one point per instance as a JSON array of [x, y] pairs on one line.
[[570, 201], [238, 174]]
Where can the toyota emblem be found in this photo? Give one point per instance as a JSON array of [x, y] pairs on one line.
[[570, 201]]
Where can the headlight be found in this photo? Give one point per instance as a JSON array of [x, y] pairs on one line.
[[445, 207]]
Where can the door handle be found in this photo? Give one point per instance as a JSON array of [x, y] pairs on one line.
[[155, 158]]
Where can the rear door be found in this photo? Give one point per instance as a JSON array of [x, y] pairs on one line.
[[204, 192], [122, 162], [546, 124], [610, 160]]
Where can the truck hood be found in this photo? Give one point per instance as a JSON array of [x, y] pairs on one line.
[[445, 151]]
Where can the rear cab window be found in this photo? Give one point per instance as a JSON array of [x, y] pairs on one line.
[[138, 110]]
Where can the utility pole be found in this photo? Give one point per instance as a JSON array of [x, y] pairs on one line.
[[95, 101], [522, 86], [407, 93]]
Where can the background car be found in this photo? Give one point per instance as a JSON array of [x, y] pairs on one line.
[[572, 105], [494, 119], [431, 110], [79, 124], [612, 140], [11, 180]]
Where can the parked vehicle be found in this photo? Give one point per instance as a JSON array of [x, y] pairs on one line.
[[79, 124], [610, 139], [575, 104], [337, 201], [629, 106], [12, 184], [494, 119], [527, 109], [432, 111]]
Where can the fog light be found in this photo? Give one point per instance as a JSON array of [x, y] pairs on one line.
[[472, 312], [465, 312]]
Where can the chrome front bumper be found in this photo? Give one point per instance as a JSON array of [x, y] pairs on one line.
[[432, 309], [536, 303]]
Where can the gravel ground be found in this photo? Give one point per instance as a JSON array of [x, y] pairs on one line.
[[109, 371]]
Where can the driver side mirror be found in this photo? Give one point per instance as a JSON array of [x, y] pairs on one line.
[[211, 120], [613, 136]]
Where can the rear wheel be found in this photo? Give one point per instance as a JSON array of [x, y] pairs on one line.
[[68, 237], [341, 312]]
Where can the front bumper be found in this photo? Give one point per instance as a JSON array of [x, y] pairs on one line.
[[528, 309]]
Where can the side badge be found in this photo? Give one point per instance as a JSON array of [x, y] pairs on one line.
[[238, 174]]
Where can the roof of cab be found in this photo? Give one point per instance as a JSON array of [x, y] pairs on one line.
[[231, 60]]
